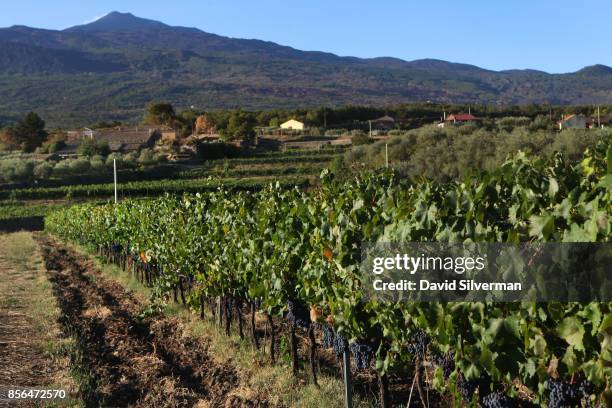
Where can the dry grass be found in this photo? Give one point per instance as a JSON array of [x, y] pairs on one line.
[[26, 292]]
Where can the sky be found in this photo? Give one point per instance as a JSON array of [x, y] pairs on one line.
[[555, 36]]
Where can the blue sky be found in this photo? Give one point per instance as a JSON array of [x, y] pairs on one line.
[[550, 35]]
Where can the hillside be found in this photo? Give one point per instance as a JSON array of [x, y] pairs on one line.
[[111, 68]]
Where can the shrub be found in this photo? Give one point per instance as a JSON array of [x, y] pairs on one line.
[[361, 139], [62, 169], [98, 163], [146, 157], [43, 170], [79, 166], [451, 152]]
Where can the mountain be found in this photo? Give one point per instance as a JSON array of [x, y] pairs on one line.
[[116, 21], [111, 68]]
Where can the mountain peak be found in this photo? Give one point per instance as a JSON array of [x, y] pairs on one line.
[[117, 21], [596, 70]]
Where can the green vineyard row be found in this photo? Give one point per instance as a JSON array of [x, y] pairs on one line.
[[287, 249], [144, 188]]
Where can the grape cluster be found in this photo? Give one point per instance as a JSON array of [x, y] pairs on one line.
[[418, 344], [498, 399], [362, 351], [328, 337], [467, 388], [297, 314], [445, 361], [339, 345], [564, 394]]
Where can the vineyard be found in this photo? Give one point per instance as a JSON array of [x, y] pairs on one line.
[[295, 255], [143, 188]]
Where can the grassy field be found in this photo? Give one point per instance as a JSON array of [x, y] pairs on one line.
[[35, 354]]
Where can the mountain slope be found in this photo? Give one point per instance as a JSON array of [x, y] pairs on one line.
[[112, 67]]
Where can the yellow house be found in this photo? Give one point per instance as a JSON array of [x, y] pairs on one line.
[[292, 124]]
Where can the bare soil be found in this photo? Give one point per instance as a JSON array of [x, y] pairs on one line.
[[132, 360]]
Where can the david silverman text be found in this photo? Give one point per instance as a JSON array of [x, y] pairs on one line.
[[465, 284]]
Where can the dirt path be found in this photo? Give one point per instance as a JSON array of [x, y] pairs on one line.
[[132, 361], [27, 326]]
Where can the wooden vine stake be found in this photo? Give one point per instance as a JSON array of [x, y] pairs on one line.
[[295, 364], [313, 354], [272, 338], [346, 375], [253, 328]]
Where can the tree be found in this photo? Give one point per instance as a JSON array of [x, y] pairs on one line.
[[185, 122], [89, 147], [161, 113], [29, 132], [241, 125], [7, 140]]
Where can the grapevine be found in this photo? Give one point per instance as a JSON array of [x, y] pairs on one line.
[[285, 251]]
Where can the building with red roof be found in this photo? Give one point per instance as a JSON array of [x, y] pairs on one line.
[[458, 118]]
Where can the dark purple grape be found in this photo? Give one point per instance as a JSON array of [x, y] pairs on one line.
[[362, 351], [498, 399], [418, 344], [297, 314], [445, 361], [328, 337]]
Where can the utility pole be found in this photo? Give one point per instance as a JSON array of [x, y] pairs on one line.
[[386, 155], [115, 177], [370, 122], [598, 118]]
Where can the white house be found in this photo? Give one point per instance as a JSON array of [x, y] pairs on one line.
[[292, 124]]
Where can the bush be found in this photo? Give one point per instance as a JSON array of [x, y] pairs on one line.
[[130, 161], [62, 169], [361, 138], [146, 158], [451, 152], [43, 170], [79, 166], [510, 122], [89, 148], [16, 170], [98, 163]]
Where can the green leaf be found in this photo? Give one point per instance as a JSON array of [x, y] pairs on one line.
[[572, 332], [541, 225], [606, 182], [570, 360], [553, 187]]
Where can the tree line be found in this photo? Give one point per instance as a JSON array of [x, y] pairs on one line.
[[238, 124]]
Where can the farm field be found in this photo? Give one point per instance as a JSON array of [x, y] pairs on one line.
[[33, 353], [244, 205], [290, 258], [289, 168], [121, 352]]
